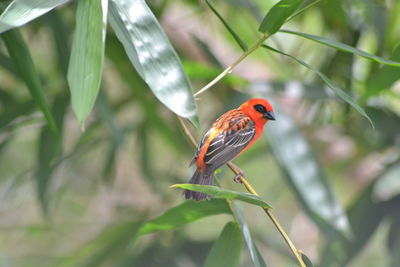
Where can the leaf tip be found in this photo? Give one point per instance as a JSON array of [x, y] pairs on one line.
[[195, 121]]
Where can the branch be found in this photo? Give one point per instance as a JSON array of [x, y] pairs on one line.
[[231, 67]]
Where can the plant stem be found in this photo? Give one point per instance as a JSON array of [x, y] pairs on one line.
[[231, 67], [249, 188]]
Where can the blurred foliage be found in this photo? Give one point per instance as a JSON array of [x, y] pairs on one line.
[[101, 197]]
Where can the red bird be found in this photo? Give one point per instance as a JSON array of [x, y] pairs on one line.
[[228, 137]]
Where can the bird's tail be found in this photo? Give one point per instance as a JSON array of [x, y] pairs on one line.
[[202, 178]]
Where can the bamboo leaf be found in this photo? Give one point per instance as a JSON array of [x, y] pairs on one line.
[[152, 55], [306, 260], [48, 150], [278, 15], [255, 255], [219, 192], [105, 113], [343, 47], [235, 36], [227, 249], [339, 92], [384, 77], [86, 62], [185, 213], [22, 58], [20, 12]]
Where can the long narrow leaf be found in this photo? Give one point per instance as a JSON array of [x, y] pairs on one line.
[[339, 92], [86, 62], [235, 36], [152, 55], [22, 58], [255, 255], [20, 12], [49, 148], [216, 191], [306, 260], [8, 64], [227, 249], [185, 213], [384, 77], [343, 47], [278, 15]]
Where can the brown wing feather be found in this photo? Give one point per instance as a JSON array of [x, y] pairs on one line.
[[237, 131]]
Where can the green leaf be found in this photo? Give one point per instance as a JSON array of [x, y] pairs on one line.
[[8, 64], [227, 249], [13, 110], [185, 213], [152, 55], [104, 111], [384, 77], [339, 92], [255, 255], [111, 242], [87, 55], [300, 11], [343, 47], [278, 15], [306, 260], [235, 36], [216, 191], [22, 58], [49, 148], [20, 12], [305, 175]]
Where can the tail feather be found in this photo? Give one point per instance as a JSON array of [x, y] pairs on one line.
[[201, 178]]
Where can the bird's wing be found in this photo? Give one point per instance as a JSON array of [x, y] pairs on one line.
[[230, 142], [202, 142]]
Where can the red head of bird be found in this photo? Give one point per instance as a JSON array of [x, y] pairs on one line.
[[259, 110]]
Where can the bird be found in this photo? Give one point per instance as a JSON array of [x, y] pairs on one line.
[[229, 136]]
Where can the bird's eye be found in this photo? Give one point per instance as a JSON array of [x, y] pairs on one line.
[[260, 108]]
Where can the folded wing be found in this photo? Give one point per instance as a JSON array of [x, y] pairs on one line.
[[230, 142]]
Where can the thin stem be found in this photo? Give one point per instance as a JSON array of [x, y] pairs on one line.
[[187, 132], [231, 67], [249, 188]]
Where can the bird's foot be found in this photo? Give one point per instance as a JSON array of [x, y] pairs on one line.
[[237, 178], [239, 173]]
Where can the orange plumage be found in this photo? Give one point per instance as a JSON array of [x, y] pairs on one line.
[[229, 136]]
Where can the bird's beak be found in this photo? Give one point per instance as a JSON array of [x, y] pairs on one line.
[[269, 115]]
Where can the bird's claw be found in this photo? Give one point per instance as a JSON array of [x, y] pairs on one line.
[[237, 179]]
